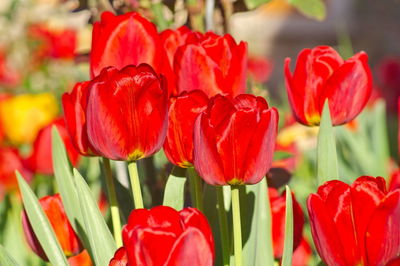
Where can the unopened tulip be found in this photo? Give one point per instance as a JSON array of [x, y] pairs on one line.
[[182, 114], [163, 236], [126, 112], [321, 74], [234, 140], [357, 224], [54, 210]]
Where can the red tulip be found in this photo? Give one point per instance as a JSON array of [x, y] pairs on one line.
[[10, 161], [3, 96], [388, 72], [127, 39], [234, 140], [74, 105], [394, 182], [278, 208], [120, 258], [126, 112], [211, 63], [164, 237], [182, 114], [302, 254], [260, 68], [40, 160], [172, 40], [54, 210], [322, 74], [357, 224]]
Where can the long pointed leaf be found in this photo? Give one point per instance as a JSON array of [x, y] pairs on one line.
[[41, 225], [258, 250], [102, 244], [174, 194], [288, 244], [327, 166]]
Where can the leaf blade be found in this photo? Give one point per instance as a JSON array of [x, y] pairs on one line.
[[174, 193], [288, 243]]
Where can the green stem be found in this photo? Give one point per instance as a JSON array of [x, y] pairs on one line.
[[237, 228], [112, 198], [135, 184], [223, 225], [197, 188]]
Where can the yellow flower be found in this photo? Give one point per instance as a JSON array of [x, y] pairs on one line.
[[22, 116]]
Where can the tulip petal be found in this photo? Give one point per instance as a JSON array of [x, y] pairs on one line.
[[383, 233], [191, 248], [324, 232], [348, 89]]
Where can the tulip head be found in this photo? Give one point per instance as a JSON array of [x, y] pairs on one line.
[[234, 140], [164, 236], [211, 63], [321, 74], [54, 210], [126, 112], [122, 40], [182, 114], [357, 224]]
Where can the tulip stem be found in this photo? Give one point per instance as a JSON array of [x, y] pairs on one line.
[[223, 225], [237, 228], [112, 198], [197, 188], [135, 184]]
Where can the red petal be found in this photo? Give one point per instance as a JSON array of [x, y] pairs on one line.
[[191, 248], [383, 232], [120, 258], [348, 89], [324, 232]]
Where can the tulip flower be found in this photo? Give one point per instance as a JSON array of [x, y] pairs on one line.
[[260, 68], [22, 116], [10, 161], [302, 254], [278, 208], [388, 73], [126, 112], [127, 39], [54, 210], [74, 105], [394, 182], [357, 224], [82, 259], [320, 75], [163, 236], [234, 140], [211, 63], [182, 114], [172, 40], [40, 160]]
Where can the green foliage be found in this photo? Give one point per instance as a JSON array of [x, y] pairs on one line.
[[251, 4], [41, 225], [5, 258], [327, 165], [174, 194]]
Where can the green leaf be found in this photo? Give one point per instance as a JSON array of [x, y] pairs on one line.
[[174, 194], [41, 225], [251, 4], [5, 258], [102, 244], [258, 249], [288, 244], [314, 9], [327, 166], [65, 182]]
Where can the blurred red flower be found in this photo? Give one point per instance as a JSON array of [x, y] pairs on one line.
[[182, 114], [211, 63], [40, 160], [54, 210], [126, 112], [53, 43], [82, 259], [278, 208], [357, 224], [234, 140], [163, 236], [388, 73], [322, 74], [260, 68], [11, 161]]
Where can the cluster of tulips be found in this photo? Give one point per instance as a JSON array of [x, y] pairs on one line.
[[184, 91]]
